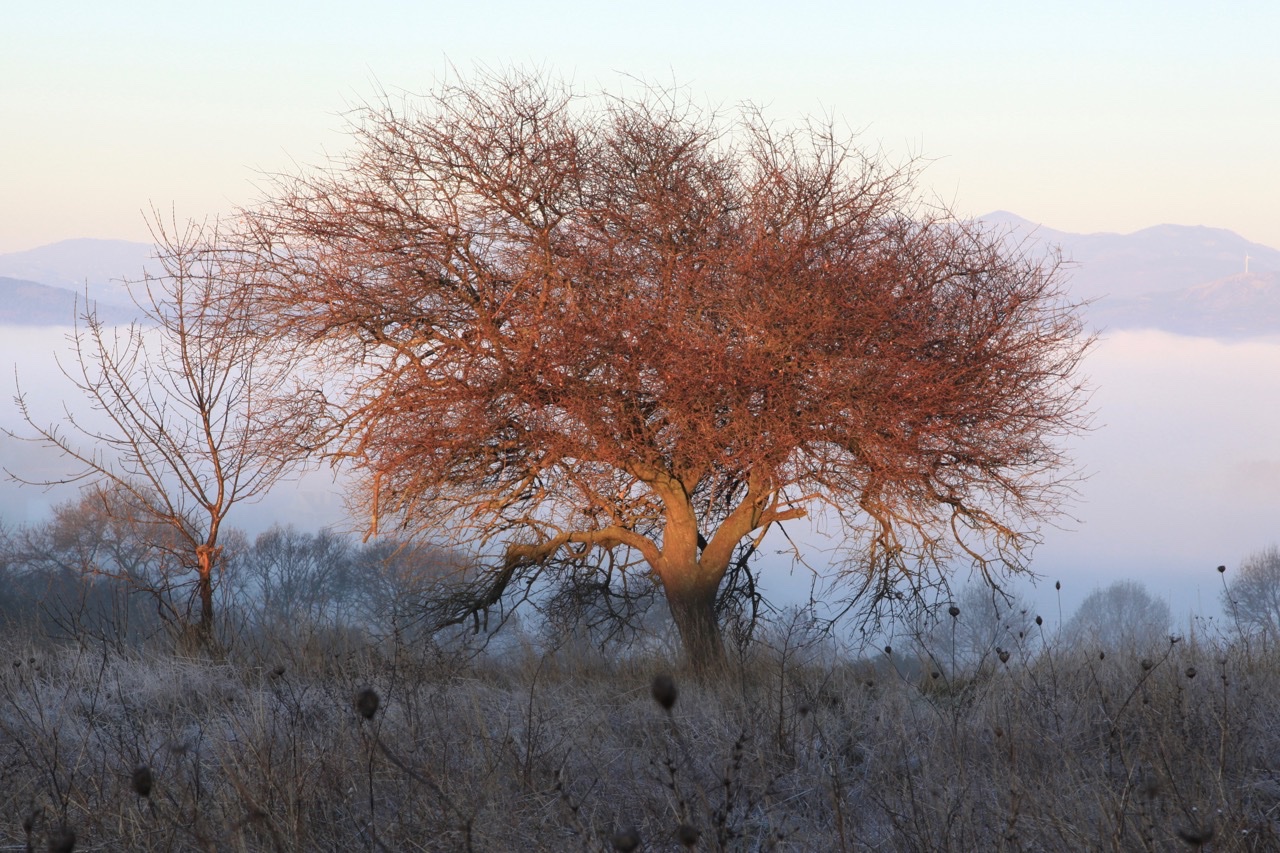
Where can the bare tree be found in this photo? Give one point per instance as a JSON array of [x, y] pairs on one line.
[[1121, 616], [617, 331], [189, 421], [967, 633], [101, 568], [296, 577], [1252, 597]]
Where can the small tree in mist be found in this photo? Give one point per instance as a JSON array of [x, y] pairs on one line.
[[1122, 616], [13, 604], [295, 577], [621, 334], [1252, 595], [985, 620], [402, 585], [188, 421], [98, 542]]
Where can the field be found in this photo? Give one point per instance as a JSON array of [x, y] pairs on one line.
[[309, 740]]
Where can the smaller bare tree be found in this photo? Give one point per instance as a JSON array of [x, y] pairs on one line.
[[193, 423], [969, 632], [1252, 597]]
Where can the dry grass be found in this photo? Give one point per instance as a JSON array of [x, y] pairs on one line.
[[355, 747]]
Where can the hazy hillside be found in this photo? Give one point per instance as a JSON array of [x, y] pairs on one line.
[[102, 265], [1237, 306], [1185, 279], [28, 303]]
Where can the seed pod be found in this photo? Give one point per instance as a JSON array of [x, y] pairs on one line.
[[62, 840], [664, 691], [142, 780], [627, 840], [367, 702], [1196, 836]]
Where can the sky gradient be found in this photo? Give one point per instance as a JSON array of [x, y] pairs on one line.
[[1083, 116]]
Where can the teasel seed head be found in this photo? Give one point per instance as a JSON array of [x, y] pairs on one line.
[[142, 780], [627, 840], [367, 702], [664, 691]]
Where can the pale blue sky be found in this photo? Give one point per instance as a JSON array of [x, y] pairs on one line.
[[1084, 116]]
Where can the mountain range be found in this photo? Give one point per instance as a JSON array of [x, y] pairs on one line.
[[1190, 280], [29, 303], [100, 265], [49, 285]]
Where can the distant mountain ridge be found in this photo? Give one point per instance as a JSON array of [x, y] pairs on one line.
[[29, 303], [100, 265], [1185, 279], [1178, 278]]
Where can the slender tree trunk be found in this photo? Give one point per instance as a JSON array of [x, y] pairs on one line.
[[204, 587], [692, 600]]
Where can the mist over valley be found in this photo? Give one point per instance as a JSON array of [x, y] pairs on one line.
[[1180, 474]]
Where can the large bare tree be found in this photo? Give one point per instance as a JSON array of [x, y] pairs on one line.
[[189, 420], [619, 331]]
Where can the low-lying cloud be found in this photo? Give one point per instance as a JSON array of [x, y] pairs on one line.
[[1183, 464]]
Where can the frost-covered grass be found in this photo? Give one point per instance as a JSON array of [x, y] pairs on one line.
[[796, 748]]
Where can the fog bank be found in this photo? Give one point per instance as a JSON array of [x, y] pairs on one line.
[[1183, 466]]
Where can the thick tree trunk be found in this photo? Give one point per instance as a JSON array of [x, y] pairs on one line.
[[692, 601]]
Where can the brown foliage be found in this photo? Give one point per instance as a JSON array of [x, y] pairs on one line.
[[616, 328]]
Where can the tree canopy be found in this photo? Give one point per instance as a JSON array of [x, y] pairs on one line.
[[622, 332]]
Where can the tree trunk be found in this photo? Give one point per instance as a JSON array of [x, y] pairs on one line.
[[204, 587], [692, 601]]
